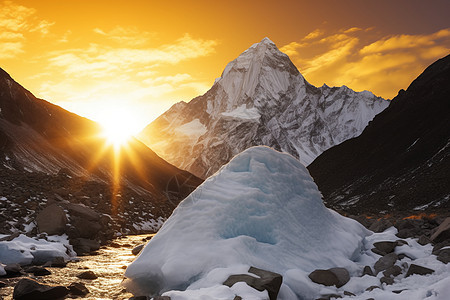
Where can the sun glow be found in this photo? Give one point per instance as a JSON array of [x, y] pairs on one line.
[[118, 126]]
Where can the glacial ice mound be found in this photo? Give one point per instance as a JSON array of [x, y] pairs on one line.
[[262, 209]]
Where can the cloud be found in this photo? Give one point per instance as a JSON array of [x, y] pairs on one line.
[[100, 60], [130, 36], [16, 21], [364, 60]]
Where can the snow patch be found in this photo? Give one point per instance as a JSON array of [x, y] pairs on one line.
[[242, 112]]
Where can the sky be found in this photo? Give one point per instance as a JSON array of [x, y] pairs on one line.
[[129, 61]]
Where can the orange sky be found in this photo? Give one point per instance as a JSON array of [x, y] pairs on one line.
[[136, 58]]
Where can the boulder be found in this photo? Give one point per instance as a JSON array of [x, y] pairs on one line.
[[383, 248], [387, 280], [85, 228], [13, 270], [37, 271], [423, 240], [82, 246], [267, 280], [29, 289], [444, 255], [392, 271], [380, 225], [367, 271], [136, 250], [78, 289], [87, 275], [442, 232], [52, 220], [333, 276], [416, 269], [83, 212], [385, 262]]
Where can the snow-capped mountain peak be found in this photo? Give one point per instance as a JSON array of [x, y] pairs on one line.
[[260, 99]]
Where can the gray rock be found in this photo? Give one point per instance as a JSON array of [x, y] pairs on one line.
[[269, 281], [416, 269], [385, 262], [85, 228], [423, 240], [52, 220], [392, 271], [29, 289], [13, 270], [329, 297], [82, 246], [442, 232], [58, 262], [384, 247], [367, 271], [333, 276], [347, 293], [444, 256], [387, 280], [380, 225], [372, 287], [87, 275], [136, 250], [10, 237], [82, 211]]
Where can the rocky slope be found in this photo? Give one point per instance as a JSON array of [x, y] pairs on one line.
[[49, 155], [260, 99], [401, 160]]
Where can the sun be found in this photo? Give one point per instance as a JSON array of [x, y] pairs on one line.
[[118, 126]]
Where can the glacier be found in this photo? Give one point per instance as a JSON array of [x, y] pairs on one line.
[[262, 209], [260, 99]]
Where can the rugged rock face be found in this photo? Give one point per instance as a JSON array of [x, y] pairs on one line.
[[48, 154], [401, 160], [260, 99]]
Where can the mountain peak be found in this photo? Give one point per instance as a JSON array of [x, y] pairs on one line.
[[266, 41]]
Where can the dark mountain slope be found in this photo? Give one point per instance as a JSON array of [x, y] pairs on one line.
[[39, 140], [401, 160]]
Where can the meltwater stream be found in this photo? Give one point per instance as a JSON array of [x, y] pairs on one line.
[[109, 265]]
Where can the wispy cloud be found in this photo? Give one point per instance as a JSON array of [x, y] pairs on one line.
[[362, 59], [15, 22], [129, 36]]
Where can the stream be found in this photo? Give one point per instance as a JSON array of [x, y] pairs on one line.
[[108, 264]]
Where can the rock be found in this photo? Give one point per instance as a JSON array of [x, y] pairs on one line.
[[84, 228], [333, 276], [58, 262], [347, 293], [114, 245], [380, 225], [82, 246], [52, 220], [444, 256], [38, 271], [87, 275], [13, 270], [385, 262], [387, 280], [78, 289], [29, 289], [163, 298], [442, 232], [423, 240], [136, 250], [384, 248], [406, 233], [145, 298], [367, 271], [2, 284], [392, 271], [372, 287], [269, 281], [82, 211], [415, 269], [329, 296], [9, 238], [399, 291], [401, 242], [237, 298], [437, 248]]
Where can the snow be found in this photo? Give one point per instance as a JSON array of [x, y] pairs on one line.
[[262, 209], [242, 112], [194, 128], [25, 250]]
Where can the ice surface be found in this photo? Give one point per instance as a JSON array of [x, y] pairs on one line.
[[262, 209], [24, 250]]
